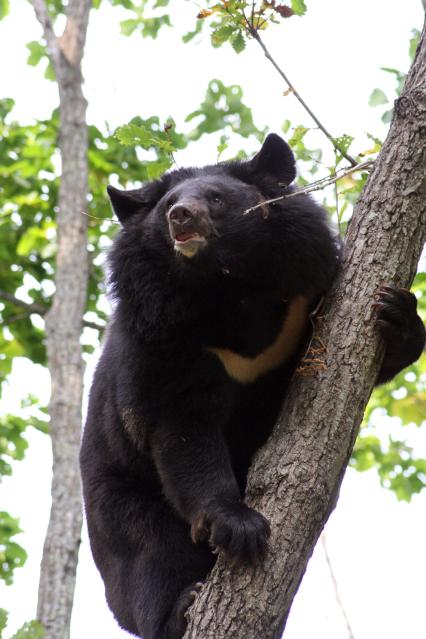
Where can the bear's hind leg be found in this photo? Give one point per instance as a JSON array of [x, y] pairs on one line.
[[166, 584], [176, 624]]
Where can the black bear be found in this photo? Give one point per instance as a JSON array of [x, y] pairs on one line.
[[212, 311]]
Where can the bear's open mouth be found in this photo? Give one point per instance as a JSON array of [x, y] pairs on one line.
[[188, 243], [185, 237]]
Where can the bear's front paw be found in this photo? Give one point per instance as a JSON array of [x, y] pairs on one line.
[[239, 531], [400, 326]]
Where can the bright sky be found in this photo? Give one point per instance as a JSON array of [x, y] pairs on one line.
[[333, 56]]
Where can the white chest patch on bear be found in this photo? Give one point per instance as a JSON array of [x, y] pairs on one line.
[[246, 370]]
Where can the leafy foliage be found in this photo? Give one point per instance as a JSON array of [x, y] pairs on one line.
[[145, 19], [149, 135], [235, 21], [13, 445], [223, 109], [404, 400], [12, 441], [378, 97], [28, 191], [38, 53], [27, 184], [4, 8], [397, 468], [12, 555], [30, 630]]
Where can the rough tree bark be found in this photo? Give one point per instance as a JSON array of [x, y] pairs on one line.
[[64, 323], [295, 478]]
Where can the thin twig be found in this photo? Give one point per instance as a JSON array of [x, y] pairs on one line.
[[264, 20], [336, 588], [31, 307], [166, 130], [336, 196], [52, 41], [103, 219], [97, 327], [315, 186], [40, 309], [253, 31], [252, 11]]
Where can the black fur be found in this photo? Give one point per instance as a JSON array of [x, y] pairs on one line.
[[169, 434]]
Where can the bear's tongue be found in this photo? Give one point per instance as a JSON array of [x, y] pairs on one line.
[[183, 237]]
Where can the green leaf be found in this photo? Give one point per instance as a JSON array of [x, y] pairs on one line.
[[30, 630], [222, 34], [6, 106], [12, 555], [223, 107], [192, 34], [27, 241], [298, 135], [377, 97], [298, 7], [414, 43], [286, 126], [238, 42], [127, 27], [156, 169], [391, 70], [132, 135], [49, 73], [151, 26], [342, 145], [222, 146], [4, 8], [387, 116], [3, 620], [37, 52]]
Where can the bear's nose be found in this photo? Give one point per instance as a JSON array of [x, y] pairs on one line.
[[180, 214]]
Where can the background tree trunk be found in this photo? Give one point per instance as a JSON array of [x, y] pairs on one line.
[[64, 324], [295, 478]]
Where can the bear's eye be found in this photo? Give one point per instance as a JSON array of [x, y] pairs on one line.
[[215, 198]]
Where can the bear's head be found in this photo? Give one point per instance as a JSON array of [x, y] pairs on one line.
[[207, 234], [191, 209]]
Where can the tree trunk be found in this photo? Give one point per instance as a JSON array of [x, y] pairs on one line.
[[295, 478], [64, 324]]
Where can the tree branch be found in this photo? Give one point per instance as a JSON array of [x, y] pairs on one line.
[[336, 588], [73, 38], [40, 309], [71, 42], [316, 186], [43, 17], [64, 320], [30, 307], [254, 32]]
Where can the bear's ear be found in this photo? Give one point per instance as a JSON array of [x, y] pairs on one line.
[[275, 158], [124, 203]]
